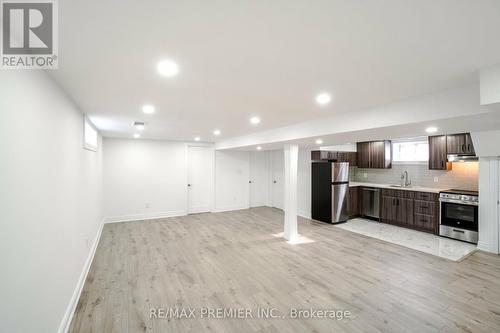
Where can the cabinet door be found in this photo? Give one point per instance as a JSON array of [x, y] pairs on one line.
[[319, 155], [404, 209], [377, 154], [353, 160], [469, 147], [437, 152], [456, 144], [388, 213], [353, 201], [363, 154]]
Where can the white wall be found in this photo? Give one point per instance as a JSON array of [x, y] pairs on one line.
[[144, 179], [303, 180], [304, 183], [148, 179], [50, 206], [231, 180]]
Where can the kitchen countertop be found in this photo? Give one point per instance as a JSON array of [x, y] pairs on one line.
[[412, 188]]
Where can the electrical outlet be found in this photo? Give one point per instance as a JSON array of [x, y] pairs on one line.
[[436, 179], [365, 175]]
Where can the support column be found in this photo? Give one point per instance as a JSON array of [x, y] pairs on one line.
[[489, 229], [291, 165]]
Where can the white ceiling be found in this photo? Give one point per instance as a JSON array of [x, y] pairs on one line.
[[265, 58]]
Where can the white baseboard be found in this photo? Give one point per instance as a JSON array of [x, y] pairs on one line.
[[70, 310], [228, 209], [140, 217], [306, 215], [486, 247]]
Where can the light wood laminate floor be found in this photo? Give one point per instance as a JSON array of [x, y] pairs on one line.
[[230, 260]]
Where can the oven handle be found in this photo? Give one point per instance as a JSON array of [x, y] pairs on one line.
[[469, 203]]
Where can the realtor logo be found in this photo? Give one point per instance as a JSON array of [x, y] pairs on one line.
[[29, 34]]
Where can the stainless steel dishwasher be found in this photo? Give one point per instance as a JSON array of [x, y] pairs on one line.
[[370, 202]]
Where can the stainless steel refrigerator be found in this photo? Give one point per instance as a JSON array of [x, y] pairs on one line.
[[330, 191]]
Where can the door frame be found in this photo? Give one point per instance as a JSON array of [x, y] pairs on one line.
[[211, 148]]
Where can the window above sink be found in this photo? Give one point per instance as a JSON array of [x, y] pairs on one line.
[[410, 151]]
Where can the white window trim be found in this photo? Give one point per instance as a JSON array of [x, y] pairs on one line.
[[86, 146]]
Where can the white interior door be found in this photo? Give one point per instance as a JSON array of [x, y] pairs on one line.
[[199, 163], [278, 177], [259, 180]]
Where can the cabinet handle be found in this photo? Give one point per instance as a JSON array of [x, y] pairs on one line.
[[442, 164], [468, 148], [463, 148]]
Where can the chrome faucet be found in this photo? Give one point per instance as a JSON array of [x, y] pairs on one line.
[[405, 181]]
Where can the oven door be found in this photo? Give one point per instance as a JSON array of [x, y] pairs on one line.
[[459, 215]]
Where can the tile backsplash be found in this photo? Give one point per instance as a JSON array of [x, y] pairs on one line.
[[462, 176]]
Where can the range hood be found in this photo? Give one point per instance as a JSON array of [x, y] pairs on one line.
[[462, 158]]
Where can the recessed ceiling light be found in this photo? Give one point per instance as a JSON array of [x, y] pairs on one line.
[[217, 132], [137, 135], [255, 120], [323, 99], [139, 125], [168, 68], [197, 138], [259, 148], [148, 109], [431, 129], [319, 141]]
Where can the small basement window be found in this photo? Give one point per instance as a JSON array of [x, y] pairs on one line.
[[410, 151], [89, 135]]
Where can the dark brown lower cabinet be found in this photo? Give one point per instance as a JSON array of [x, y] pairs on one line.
[[410, 209], [353, 203], [404, 209]]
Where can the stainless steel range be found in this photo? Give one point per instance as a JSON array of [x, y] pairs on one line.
[[459, 215]]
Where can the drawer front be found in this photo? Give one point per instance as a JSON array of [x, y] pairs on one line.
[[426, 207], [425, 222], [426, 196], [398, 193]]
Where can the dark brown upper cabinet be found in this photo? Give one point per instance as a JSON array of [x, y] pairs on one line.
[[374, 154], [320, 155], [460, 144], [337, 156], [438, 153]]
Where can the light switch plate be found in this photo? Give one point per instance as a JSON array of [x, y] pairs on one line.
[[436, 179]]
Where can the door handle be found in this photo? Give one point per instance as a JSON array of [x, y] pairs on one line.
[[189, 185], [468, 148], [250, 182], [460, 231], [442, 164], [463, 148], [274, 181]]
